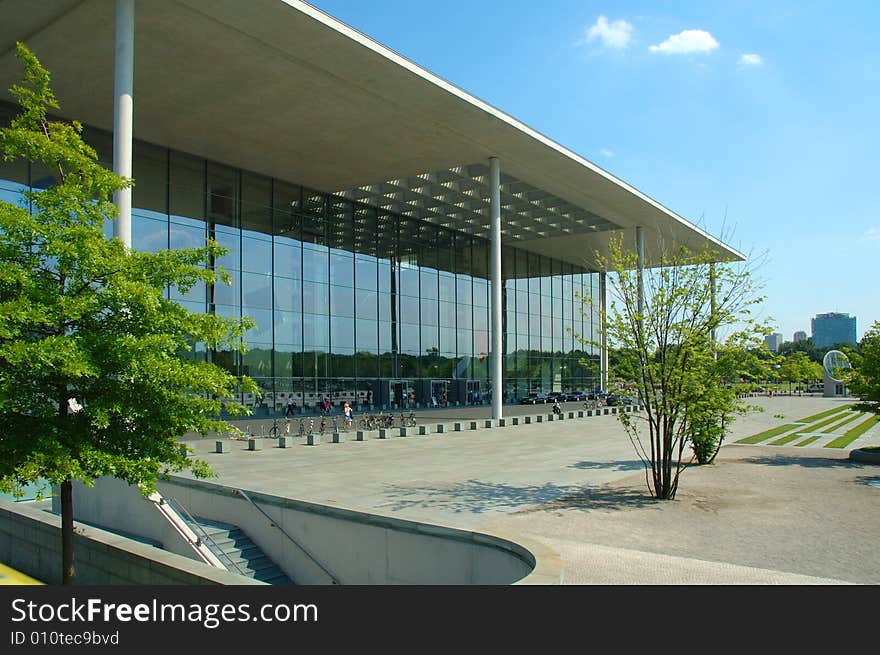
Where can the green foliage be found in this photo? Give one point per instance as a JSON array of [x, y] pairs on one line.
[[666, 356], [864, 378], [798, 367], [95, 380]]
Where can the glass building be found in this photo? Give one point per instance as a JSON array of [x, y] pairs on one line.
[[366, 202], [352, 301], [833, 328]]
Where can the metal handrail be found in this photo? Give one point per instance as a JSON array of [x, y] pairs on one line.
[[294, 541], [198, 526]]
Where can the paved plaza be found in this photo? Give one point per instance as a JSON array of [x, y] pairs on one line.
[[760, 515]]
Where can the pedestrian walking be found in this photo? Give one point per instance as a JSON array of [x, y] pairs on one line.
[[346, 410], [291, 407]]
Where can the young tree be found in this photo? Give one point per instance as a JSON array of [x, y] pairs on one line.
[[864, 378], [682, 377], [94, 374]]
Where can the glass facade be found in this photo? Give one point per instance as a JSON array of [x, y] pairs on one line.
[[350, 301]]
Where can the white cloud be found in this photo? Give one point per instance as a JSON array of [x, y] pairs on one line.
[[606, 152], [616, 34], [686, 42], [873, 233], [751, 59]]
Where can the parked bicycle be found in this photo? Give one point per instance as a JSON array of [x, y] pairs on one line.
[[275, 431], [302, 428], [408, 421]]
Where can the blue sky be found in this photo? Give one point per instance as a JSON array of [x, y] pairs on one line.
[[756, 120]]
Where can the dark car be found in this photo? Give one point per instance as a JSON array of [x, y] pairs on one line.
[[619, 400], [597, 395], [553, 396], [576, 395], [534, 399]]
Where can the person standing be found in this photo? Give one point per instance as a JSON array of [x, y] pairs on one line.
[[346, 410], [291, 407], [327, 405]]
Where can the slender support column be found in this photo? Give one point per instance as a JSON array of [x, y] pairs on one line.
[[712, 290], [640, 252], [603, 338], [123, 113], [495, 272], [640, 263]]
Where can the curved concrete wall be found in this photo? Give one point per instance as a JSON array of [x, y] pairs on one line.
[[358, 548]]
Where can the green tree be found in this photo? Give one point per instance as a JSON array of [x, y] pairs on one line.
[[683, 379], [98, 376], [798, 367], [864, 378]]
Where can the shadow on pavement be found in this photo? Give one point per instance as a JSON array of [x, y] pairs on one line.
[[475, 497], [629, 465], [805, 462]]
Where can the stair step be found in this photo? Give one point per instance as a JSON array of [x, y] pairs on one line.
[[278, 578], [239, 553]]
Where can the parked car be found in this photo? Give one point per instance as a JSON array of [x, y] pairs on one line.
[[576, 396], [534, 399], [612, 399], [553, 396], [597, 395]]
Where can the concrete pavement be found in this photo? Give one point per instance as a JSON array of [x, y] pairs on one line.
[[760, 515]]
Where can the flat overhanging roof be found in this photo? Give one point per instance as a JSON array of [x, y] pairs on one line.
[[280, 88]]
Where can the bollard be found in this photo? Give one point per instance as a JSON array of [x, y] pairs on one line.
[[221, 447], [313, 439], [550, 417], [360, 435], [528, 420], [441, 428], [284, 442], [473, 425], [337, 437], [514, 420], [456, 427], [424, 429], [571, 415], [502, 422], [488, 423], [539, 419], [254, 444], [581, 413], [405, 432], [384, 433]]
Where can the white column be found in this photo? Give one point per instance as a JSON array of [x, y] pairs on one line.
[[123, 114], [712, 291], [603, 338], [495, 272], [640, 252]]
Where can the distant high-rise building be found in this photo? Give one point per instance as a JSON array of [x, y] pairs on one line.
[[832, 328], [773, 341], [800, 335]]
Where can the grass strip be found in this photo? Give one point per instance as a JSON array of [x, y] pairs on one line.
[[820, 415], [808, 440], [848, 419], [768, 434], [786, 439], [821, 424], [854, 433]]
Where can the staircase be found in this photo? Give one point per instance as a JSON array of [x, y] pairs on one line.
[[235, 549]]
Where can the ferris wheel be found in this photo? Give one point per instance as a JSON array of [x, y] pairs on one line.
[[833, 363]]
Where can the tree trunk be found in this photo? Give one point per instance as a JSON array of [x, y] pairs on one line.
[[67, 569]]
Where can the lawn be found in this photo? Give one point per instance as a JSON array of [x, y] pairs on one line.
[[854, 433]]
